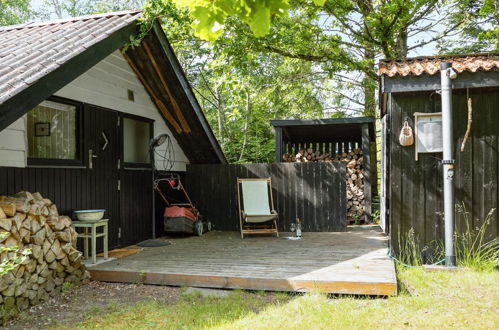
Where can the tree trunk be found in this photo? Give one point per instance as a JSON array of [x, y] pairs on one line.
[[220, 118], [401, 43], [245, 131], [369, 84]]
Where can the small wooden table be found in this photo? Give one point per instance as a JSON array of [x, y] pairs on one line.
[[90, 232]]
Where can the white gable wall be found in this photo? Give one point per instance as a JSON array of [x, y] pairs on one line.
[[13, 144], [105, 85]]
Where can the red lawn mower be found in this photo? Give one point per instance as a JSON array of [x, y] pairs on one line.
[[180, 217]]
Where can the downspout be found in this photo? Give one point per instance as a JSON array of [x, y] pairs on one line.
[[446, 74]]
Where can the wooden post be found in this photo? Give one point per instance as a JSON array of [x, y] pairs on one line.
[[366, 149], [94, 244], [278, 144]]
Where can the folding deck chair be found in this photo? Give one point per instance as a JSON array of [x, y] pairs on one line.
[[256, 207]]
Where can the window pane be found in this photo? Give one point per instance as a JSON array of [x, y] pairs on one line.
[[52, 131], [136, 141]]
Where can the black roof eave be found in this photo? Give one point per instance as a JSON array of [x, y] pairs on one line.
[[325, 121], [320, 130]]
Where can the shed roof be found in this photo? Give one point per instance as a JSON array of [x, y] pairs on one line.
[[324, 130], [37, 59], [431, 64]]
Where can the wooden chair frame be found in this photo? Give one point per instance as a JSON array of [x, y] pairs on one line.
[[267, 227]]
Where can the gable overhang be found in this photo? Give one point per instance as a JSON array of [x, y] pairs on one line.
[[155, 64], [28, 98]]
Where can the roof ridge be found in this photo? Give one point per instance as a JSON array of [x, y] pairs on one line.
[[431, 64], [70, 19]]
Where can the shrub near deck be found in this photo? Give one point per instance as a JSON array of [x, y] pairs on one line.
[[463, 299]]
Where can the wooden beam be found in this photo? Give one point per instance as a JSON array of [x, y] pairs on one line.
[[180, 76], [246, 283], [278, 144], [30, 97], [168, 116], [176, 108], [326, 121], [366, 150]]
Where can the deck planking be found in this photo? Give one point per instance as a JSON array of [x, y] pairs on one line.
[[352, 262]]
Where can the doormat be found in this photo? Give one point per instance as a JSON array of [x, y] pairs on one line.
[[121, 253]]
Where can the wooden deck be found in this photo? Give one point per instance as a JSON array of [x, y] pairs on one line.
[[353, 262]]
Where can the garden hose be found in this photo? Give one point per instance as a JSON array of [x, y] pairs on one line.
[[410, 266]]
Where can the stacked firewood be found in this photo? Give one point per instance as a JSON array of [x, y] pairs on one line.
[[32, 226], [355, 177]]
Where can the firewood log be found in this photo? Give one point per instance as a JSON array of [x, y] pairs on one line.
[[8, 208]]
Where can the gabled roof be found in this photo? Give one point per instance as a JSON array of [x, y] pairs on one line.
[[38, 59], [31, 51], [431, 64]]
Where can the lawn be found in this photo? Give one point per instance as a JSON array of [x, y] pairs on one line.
[[463, 299]]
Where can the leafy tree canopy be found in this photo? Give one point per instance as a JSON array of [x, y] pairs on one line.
[[211, 15], [479, 27], [14, 11]]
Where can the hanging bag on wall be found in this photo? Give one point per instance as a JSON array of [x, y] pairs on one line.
[[406, 137]]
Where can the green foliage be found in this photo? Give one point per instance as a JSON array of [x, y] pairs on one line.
[[342, 39], [15, 256], [317, 60], [409, 251], [67, 287], [14, 11], [240, 89], [211, 15], [477, 26], [473, 249]]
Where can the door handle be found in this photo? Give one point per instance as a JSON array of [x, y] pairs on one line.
[[91, 156]]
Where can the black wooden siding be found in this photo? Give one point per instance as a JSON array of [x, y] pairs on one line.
[[136, 188], [313, 192], [69, 189], [415, 193], [72, 188]]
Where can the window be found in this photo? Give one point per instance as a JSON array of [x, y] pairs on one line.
[[136, 137], [428, 132], [52, 132]]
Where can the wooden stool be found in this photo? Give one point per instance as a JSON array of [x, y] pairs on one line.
[[90, 232]]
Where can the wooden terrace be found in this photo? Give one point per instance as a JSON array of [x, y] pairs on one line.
[[352, 262]]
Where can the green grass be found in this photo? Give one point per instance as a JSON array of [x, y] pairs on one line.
[[427, 300]]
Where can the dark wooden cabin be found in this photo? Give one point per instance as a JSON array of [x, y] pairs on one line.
[[412, 189], [333, 136], [77, 114]]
